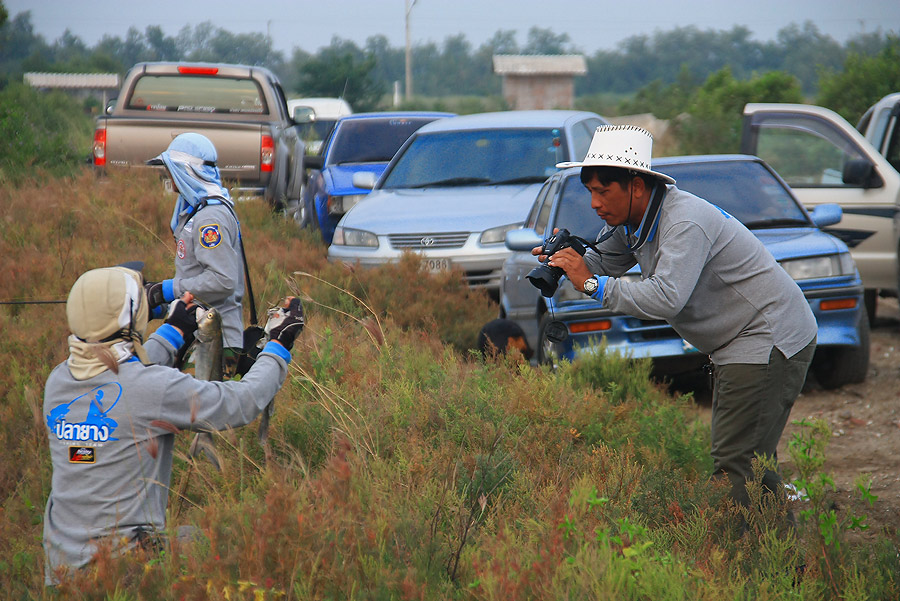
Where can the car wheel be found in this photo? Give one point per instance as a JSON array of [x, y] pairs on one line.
[[834, 367], [547, 351], [305, 213], [870, 299]]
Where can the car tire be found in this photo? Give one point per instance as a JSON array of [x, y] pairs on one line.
[[835, 367], [302, 215], [870, 299], [546, 350]]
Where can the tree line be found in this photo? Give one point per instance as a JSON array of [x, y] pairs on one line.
[[366, 73], [699, 80]]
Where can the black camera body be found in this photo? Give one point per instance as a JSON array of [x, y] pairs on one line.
[[544, 277]]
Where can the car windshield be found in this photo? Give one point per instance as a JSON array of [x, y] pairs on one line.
[[478, 157], [371, 140], [744, 189]]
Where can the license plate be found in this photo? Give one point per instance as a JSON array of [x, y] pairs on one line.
[[435, 265]]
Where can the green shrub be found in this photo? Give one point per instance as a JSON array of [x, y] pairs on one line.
[[41, 132]]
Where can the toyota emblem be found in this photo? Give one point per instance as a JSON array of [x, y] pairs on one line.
[[427, 241]]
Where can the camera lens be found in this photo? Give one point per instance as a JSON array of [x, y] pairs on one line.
[[545, 278]]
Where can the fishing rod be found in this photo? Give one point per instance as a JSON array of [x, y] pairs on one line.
[[32, 302]]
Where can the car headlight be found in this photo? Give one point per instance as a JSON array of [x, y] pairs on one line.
[[345, 236], [820, 267], [338, 205], [497, 235]]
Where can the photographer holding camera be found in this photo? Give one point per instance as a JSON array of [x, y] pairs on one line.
[[711, 279]]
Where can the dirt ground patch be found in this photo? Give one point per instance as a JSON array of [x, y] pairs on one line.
[[865, 423]]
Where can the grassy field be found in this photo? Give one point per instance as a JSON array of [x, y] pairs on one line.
[[400, 465]]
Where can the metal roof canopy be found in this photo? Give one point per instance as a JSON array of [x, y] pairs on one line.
[[539, 64], [96, 81]]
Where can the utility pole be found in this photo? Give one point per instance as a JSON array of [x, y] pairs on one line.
[[409, 5]]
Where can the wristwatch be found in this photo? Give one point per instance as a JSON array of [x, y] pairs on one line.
[[590, 285]]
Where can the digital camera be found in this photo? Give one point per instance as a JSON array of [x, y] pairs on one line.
[[544, 277]]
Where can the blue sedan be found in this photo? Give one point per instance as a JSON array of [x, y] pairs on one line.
[[359, 143], [748, 189]]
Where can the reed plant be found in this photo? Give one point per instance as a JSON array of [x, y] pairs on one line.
[[400, 463]]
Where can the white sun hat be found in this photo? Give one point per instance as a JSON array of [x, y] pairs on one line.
[[623, 146]]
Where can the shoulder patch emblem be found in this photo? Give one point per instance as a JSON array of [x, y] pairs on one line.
[[210, 236], [180, 249]]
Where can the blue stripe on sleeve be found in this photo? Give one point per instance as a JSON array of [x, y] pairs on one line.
[[169, 290], [171, 335], [277, 349], [601, 284]]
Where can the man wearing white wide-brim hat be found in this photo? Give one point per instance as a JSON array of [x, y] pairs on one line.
[[712, 280]]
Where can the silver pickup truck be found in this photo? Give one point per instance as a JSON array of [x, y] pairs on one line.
[[827, 160], [241, 109]]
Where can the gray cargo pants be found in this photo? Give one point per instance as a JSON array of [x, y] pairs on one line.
[[750, 407]]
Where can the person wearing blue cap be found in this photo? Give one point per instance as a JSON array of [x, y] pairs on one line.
[[208, 258]]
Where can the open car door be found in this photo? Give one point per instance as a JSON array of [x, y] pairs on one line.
[[824, 159]]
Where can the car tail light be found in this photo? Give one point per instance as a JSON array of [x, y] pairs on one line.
[[198, 70], [266, 153], [841, 303], [590, 326], [99, 149]]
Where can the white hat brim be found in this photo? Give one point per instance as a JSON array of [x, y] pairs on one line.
[[667, 179]]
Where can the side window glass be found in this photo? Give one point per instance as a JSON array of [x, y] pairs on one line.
[[544, 214], [892, 152], [581, 139], [805, 150], [531, 221]]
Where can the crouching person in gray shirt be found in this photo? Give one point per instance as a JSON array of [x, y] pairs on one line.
[[110, 409], [712, 280]]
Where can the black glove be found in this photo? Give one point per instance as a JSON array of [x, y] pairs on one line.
[[155, 296], [182, 317], [285, 322]]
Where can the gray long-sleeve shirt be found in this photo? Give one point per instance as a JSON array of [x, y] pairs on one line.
[[710, 278], [209, 265], [111, 442]]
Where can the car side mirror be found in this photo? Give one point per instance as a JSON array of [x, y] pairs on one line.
[[861, 172], [364, 180], [523, 239], [827, 214], [304, 114], [313, 161]]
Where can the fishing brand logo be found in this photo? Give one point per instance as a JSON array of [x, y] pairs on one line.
[[97, 426]]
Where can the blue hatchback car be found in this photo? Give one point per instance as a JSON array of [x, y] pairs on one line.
[[747, 188], [359, 143]]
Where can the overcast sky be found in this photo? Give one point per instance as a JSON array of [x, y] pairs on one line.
[[591, 24]]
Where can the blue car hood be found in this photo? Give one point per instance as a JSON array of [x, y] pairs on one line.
[[793, 243], [339, 178], [455, 209]]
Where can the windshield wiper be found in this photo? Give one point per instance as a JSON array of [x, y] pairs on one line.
[[776, 222], [527, 179], [455, 181]]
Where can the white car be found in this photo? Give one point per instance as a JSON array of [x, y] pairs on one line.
[[457, 186]]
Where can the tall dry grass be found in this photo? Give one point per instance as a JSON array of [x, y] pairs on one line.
[[400, 465]]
